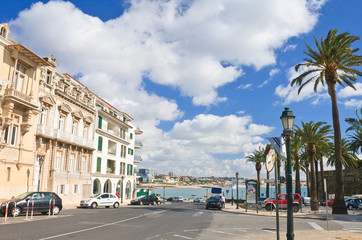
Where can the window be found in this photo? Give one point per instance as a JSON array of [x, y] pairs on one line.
[[130, 151], [99, 164], [129, 169], [61, 189], [123, 151], [13, 135], [74, 127], [49, 77], [99, 122], [6, 133], [9, 171], [19, 78], [100, 143], [61, 122], [84, 164], [58, 160], [122, 168], [85, 131], [122, 133], [75, 189], [43, 116], [3, 32], [71, 162]]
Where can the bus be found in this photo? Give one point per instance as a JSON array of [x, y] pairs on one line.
[[216, 191]]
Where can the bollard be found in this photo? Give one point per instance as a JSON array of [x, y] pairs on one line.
[[27, 208], [7, 209], [50, 202]]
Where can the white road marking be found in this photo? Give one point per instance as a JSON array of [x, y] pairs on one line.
[[216, 231], [197, 214], [100, 226], [180, 236], [350, 226], [269, 231], [315, 226]]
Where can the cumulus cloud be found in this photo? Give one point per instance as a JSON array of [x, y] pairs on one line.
[[353, 103], [193, 47], [350, 92]]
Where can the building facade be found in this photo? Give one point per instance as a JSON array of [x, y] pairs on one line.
[[19, 80], [113, 168]]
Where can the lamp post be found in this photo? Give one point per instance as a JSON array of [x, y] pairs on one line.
[[27, 181], [237, 190], [41, 161], [288, 122]]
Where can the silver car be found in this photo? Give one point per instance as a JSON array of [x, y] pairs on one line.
[[101, 200]]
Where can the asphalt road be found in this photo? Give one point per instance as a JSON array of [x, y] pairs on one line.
[[175, 221]]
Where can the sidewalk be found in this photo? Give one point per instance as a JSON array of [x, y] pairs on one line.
[[306, 213]]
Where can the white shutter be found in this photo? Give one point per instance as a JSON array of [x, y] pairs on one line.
[[66, 189]]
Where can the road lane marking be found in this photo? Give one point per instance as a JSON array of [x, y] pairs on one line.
[[100, 226], [197, 214], [180, 236], [315, 226], [217, 231]]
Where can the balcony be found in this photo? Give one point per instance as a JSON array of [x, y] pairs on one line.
[[112, 148], [111, 166], [48, 132], [137, 159], [138, 144], [15, 93]]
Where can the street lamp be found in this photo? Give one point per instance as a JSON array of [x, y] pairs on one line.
[[237, 190], [41, 161], [288, 122]]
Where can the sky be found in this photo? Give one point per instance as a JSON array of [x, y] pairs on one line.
[[206, 83]]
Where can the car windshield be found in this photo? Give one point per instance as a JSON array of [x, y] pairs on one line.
[[95, 195], [21, 196]]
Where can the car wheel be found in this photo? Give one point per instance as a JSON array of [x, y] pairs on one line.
[[16, 212], [350, 207], [158, 202], [116, 205], [56, 210], [295, 208], [153, 203], [94, 205], [269, 207], [141, 203]]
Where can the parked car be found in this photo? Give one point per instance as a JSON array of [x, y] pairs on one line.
[[360, 206], [270, 204], [306, 201], [198, 200], [40, 200], [101, 200], [353, 203], [213, 202], [146, 200], [330, 202], [178, 199]]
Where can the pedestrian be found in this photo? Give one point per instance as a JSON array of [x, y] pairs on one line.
[[117, 194]]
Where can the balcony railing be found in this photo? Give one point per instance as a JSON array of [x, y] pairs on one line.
[[137, 159], [15, 93], [138, 144], [63, 136]]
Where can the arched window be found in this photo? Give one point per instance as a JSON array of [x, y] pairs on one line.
[[128, 190], [119, 188], [107, 188], [3, 32], [96, 186]]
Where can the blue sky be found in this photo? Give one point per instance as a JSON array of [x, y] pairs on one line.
[[207, 83]]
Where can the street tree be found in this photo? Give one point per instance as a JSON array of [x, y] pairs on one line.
[[258, 158]]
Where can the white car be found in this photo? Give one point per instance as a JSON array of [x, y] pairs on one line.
[[360, 206], [101, 199]]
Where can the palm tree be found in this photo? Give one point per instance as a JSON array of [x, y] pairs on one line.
[[304, 166], [266, 151], [349, 158], [334, 63], [356, 141], [313, 135], [258, 157], [356, 123], [296, 144]]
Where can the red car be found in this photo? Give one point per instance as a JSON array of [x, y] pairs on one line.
[[270, 204], [330, 202]]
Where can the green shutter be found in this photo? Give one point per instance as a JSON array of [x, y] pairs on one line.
[[99, 163], [100, 143], [131, 136], [131, 171], [99, 122]]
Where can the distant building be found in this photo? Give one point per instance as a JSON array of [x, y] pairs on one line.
[[171, 174]]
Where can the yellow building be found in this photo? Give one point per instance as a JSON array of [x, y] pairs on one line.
[[19, 80]]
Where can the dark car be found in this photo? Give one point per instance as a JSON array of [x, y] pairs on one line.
[[213, 202], [353, 203], [146, 200], [41, 201]]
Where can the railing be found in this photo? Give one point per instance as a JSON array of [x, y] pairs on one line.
[[17, 94], [27, 208], [7, 208], [85, 175], [60, 174], [138, 144], [44, 130], [74, 175]]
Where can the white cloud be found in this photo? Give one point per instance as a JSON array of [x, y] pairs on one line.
[[353, 103], [350, 92], [290, 47], [180, 49], [273, 72], [246, 86]]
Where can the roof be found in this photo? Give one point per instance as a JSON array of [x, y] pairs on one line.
[[29, 54]]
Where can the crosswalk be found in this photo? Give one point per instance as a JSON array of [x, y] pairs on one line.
[[350, 225]]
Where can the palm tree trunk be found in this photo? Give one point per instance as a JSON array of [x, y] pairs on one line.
[[316, 177], [297, 176], [313, 201], [258, 186], [339, 206], [308, 187], [267, 185]]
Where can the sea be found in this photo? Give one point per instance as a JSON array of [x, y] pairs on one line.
[[200, 192]]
